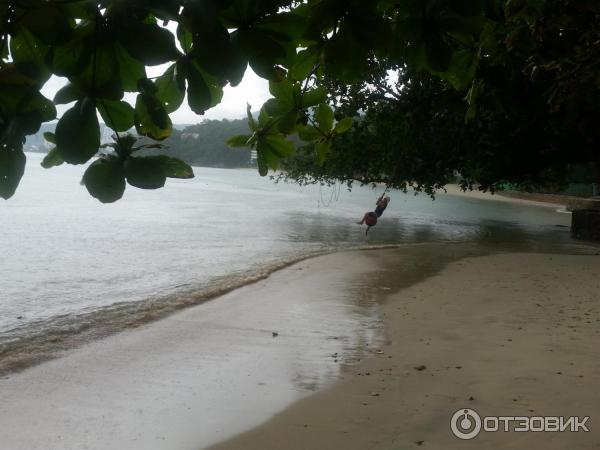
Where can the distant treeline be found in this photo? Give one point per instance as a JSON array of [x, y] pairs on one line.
[[203, 144]]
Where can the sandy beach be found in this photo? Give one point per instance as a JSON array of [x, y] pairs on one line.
[[455, 190], [355, 350], [505, 335]]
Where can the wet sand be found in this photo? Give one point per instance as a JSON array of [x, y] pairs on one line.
[[206, 373], [511, 335], [373, 350]]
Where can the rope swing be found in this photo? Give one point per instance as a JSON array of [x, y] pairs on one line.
[[335, 195]]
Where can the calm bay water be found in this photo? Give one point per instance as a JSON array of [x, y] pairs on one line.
[[65, 255]]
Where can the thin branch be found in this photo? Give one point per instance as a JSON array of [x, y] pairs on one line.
[[386, 90]]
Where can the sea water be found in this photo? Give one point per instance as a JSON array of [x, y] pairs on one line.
[[70, 262]]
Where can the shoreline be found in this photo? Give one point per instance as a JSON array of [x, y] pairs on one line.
[[55, 336], [149, 387], [455, 190], [506, 334], [211, 371]]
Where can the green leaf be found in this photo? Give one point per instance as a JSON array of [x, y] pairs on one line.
[[251, 122], [314, 97], [78, 133], [29, 55], [70, 58], [276, 107], [169, 91], [50, 137], [117, 114], [51, 159], [147, 86], [324, 117], [265, 120], [199, 97], [26, 106], [151, 119], [240, 140], [284, 25], [203, 90], [68, 94], [462, 69], [105, 179], [172, 167], [261, 161], [258, 45], [305, 62], [346, 56], [268, 158], [322, 148], [287, 122], [343, 125], [282, 91], [309, 133], [41, 106], [185, 38], [130, 70], [12, 167], [20, 126], [236, 69], [279, 145], [102, 79], [47, 22], [145, 173], [262, 51], [148, 43], [213, 51]]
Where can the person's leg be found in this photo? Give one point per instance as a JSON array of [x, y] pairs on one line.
[[363, 219]]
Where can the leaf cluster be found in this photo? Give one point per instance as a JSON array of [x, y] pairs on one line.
[[492, 53]]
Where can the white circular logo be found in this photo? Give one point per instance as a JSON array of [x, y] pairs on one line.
[[465, 423]]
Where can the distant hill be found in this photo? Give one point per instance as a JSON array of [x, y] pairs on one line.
[[203, 144]]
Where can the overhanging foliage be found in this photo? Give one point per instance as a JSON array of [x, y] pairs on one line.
[[103, 48]]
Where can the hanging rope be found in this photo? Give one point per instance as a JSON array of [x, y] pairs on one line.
[[335, 195]]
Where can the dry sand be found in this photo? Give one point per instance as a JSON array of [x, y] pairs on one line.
[[511, 335], [455, 190]]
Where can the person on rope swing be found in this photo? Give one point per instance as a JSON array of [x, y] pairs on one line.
[[370, 218]]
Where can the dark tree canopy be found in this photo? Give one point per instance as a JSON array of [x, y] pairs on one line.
[[529, 117], [499, 90]]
